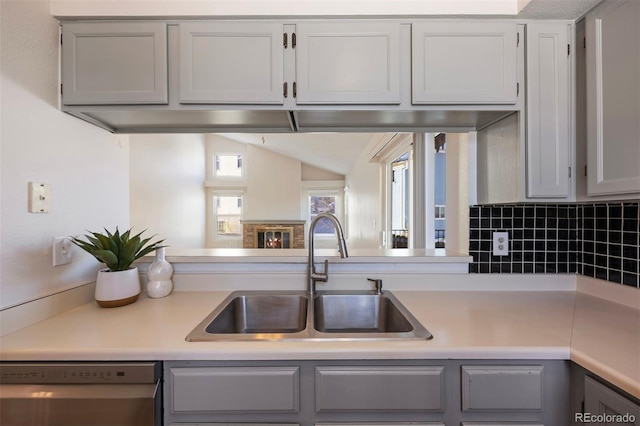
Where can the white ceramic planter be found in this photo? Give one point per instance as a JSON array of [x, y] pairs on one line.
[[118, 288]]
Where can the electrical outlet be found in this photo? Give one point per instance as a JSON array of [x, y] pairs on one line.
[[61, 251], [500, 243]]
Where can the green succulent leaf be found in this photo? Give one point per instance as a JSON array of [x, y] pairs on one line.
[[117, 250]]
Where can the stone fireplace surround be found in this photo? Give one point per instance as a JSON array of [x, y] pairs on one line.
[[251, 227]]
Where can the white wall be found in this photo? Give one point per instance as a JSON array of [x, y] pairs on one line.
[[271, 181], [364, 204], [311, 173], [87, 167], [273, 186], [167, 187], [457, 193], [498, 165]]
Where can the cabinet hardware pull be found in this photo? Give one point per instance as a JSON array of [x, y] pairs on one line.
[[295, 89], [293, 40], [285, 40], [284, 89]]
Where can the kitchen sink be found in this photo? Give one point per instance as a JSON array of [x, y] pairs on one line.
[[364, 315], [254, 316], [277, 315]]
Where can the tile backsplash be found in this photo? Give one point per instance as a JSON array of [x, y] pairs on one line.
[[598, 240]]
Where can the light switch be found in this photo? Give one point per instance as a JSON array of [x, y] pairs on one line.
[[39, 197], [500, 243]]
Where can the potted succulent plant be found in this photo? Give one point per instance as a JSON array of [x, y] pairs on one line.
[[119, 283]]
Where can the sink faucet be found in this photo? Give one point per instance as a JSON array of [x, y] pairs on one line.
[[312, 275]]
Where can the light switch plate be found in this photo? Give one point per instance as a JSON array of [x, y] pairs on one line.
[[39, 197], [500, 243]]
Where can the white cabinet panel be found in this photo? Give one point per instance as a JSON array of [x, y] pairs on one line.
[[548, 110], [114, 63], [348, 62], [464, 63], [613, 98], [379, 388], [502, 388], [235, 389], [231, 62]]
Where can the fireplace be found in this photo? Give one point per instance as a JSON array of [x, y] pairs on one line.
[[273, 237], [265, 234]]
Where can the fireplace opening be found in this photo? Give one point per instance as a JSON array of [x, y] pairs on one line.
[[273, 238]]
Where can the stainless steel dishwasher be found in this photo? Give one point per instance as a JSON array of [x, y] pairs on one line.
[[81, 394]]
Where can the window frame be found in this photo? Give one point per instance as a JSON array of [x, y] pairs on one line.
[[212, 215], [324, 188], [214, 167]]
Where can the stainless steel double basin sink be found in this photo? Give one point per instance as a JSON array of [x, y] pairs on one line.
[[277, 315]]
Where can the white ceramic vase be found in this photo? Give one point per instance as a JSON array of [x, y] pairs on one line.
[[117, 288], [159, 282]]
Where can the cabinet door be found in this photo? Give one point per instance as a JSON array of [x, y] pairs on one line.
[[234, 389], [613, 98], [114, 63], [548, 110], [379, 388], [516, 387], [231, 63], [601, 400], [464, 63], [499, 424], [348, 63]]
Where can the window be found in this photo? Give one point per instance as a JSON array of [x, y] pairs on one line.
[[227, 213], [400, 205], [228, 165], [322, 203]]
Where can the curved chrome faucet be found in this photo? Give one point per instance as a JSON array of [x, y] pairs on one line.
[[312, 275]]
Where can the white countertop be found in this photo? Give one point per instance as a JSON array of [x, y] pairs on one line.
[[465, 325]]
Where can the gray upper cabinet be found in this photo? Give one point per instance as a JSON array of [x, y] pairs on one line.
[[464, 62], [348, 62], [112, 63], [231, 63], [548, 111], [613, 98]]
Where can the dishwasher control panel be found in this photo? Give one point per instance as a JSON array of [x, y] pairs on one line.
[[61, 373]]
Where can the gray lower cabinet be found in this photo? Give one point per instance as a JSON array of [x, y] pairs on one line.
[[231, 63], [490, 387], [499, 424], [595, 401], [367, 392], [235, 389], [455, 62], [607, 406], [114, 63], [379, 388]]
